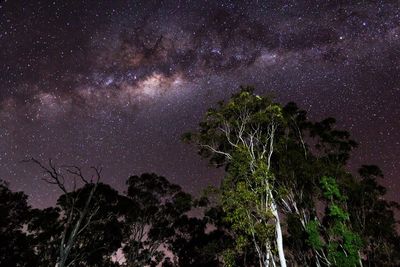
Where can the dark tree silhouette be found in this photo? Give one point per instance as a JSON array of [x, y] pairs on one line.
[[151, 207], [373, 218], [77, 217], [15, 245]]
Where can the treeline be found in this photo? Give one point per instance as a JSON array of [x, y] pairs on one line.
[[286, 199]]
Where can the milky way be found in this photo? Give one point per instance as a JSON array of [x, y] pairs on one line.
[[116, 83]]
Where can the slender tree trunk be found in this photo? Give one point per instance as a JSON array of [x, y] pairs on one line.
[[279, 236], [267, 259], [61, 263]]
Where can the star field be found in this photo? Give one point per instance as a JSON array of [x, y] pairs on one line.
[[116, 83]]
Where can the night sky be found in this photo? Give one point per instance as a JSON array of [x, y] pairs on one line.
[[116, 83]]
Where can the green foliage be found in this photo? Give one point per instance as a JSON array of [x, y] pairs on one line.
[[229, 258], [314, 239], [338, 213], [294, 170], [344, 245], [255, 110], [345, 251], [330, 188]]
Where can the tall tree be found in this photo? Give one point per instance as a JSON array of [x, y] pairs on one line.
[[201, 240], [279, 153], [150, 209], [241, 134], [15, 245], [77, 217], [334, 237], [45, 228], [308, 151], [103, 235], [372, 216]]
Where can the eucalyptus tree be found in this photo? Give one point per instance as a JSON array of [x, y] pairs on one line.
[[150, 209], [274, 159], [78, 212], [335, 235], [373, 218], [308, 151], [241, 134], [96, 245]]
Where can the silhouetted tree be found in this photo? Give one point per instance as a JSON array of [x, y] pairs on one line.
[[15, 245], [103, 235], [373, 218], [77, 217], [45, 228], [150, 209]]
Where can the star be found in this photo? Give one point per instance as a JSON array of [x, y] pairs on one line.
[[116, 84]]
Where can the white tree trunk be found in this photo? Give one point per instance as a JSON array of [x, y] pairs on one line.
[[279, 236]]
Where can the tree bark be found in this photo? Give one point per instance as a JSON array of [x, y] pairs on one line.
[[279, 236]]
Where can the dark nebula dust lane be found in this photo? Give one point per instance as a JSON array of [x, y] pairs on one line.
[[116, 83]]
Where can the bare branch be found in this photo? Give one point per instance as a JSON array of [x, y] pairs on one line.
[[54, 176], [77, 219], [74, 170], [217, 151]]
